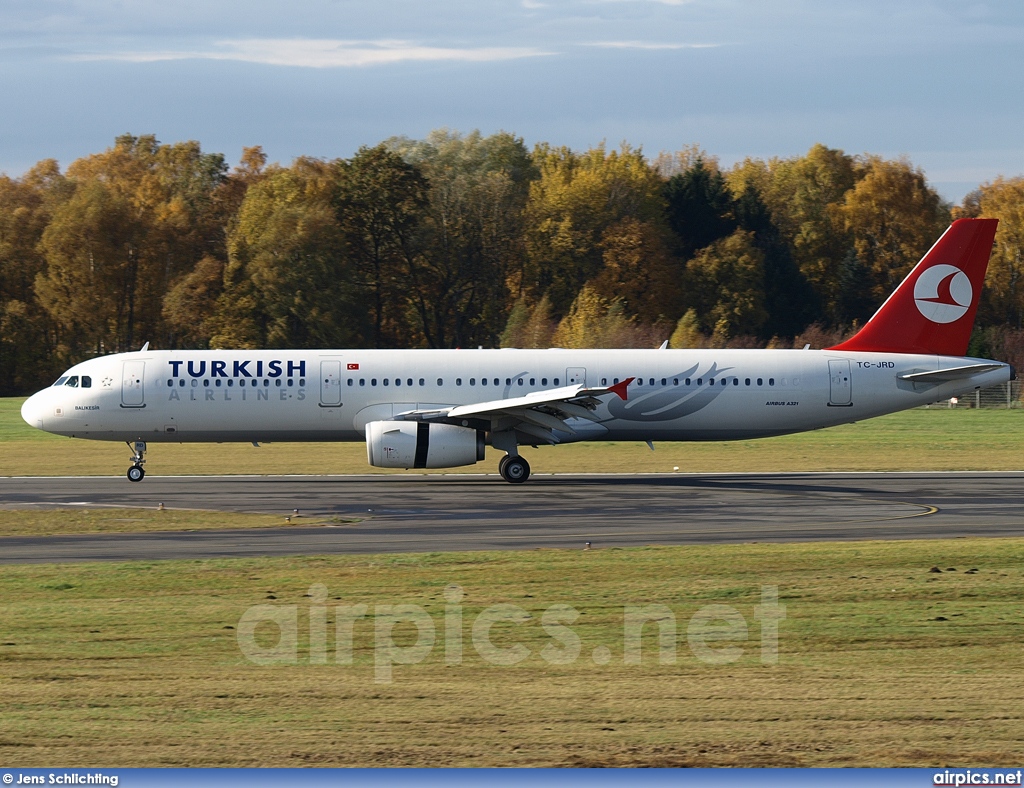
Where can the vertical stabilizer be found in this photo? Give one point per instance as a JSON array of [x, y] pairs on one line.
[[933, 309]]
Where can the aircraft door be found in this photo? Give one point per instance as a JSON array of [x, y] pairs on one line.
[[840, 388], [575, 376], [133, 376], [330, 384]]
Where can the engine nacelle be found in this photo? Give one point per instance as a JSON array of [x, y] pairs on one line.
[[417, 444]]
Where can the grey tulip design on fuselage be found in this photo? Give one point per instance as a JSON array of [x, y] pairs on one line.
[[666, 403]]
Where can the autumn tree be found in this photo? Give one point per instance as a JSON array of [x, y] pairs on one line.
[[135, 218], [379, 203], [893, 217], [28, 337], [577, 197], [726, 285], [805, 196], [1003, 199], [470, 239], [288, 279], [639, 272]]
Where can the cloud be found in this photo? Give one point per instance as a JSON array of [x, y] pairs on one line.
[[648, 45], [320, 53]]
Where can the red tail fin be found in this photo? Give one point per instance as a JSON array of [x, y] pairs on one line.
[[932, 311]]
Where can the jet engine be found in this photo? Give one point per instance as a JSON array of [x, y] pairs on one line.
[[418, 444]]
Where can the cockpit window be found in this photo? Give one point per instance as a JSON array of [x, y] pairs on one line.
[[60, 380], [72, 381], [86, 382]]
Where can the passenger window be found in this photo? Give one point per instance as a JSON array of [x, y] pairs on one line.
[[652, 381], [86, 382], [373, 381], [181, 382], [771, 381], [398, 382], [533, 381], [440, 381], [556, 381], [423, 382], [520, 381], [386, 382], [483, 381], [266, 382], [276, 382], [735, 381], [760, 381], [675, 381], [458, 381], [711, 382], [748, 381], [302, 381], [60, 381], [362, 381], [170, 382], [206, 382], [292, 382], [614, 380], [72, 381], [350, 382], [700, 381], [543, 381], [664, 382], [508, 381], [639, 381], [604, 381], [687, 381], [218, 382], [408, 382], [472, 381]]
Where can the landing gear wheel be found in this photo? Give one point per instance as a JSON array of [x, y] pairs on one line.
[[501, 465], [136, 473], [515, 470]]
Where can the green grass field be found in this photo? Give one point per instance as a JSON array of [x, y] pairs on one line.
[[915, 440], [881, 661]]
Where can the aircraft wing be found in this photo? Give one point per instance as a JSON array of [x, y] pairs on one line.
[[954, 373], [538, 414]]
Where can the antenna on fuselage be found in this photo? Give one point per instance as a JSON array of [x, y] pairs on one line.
[[664, 345], [144, 348]]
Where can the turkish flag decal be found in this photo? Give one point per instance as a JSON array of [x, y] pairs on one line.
[[353, 366]]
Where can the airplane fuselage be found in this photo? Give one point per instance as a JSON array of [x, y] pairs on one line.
[[325, 395]]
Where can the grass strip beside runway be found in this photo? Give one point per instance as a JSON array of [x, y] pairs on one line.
[[881, 661], [916, 440], [77, 520]]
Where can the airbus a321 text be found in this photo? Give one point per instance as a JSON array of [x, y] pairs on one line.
[[440, 408]]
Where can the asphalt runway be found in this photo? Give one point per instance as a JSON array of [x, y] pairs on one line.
[[459, 512]]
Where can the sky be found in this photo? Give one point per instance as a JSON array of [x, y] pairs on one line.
[[939, 81]]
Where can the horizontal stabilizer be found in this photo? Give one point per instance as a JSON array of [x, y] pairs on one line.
[[956, 373]]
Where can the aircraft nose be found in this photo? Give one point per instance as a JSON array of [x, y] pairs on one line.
[[32, 411]]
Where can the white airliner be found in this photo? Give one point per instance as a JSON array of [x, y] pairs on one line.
[[440, 408]]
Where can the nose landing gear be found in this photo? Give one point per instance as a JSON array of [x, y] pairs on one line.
[[137, 473]]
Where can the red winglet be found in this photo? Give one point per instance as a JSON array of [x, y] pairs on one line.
[[620, 388]]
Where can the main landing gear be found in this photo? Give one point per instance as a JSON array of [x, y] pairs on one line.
[[137, 473], [514, 470]]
